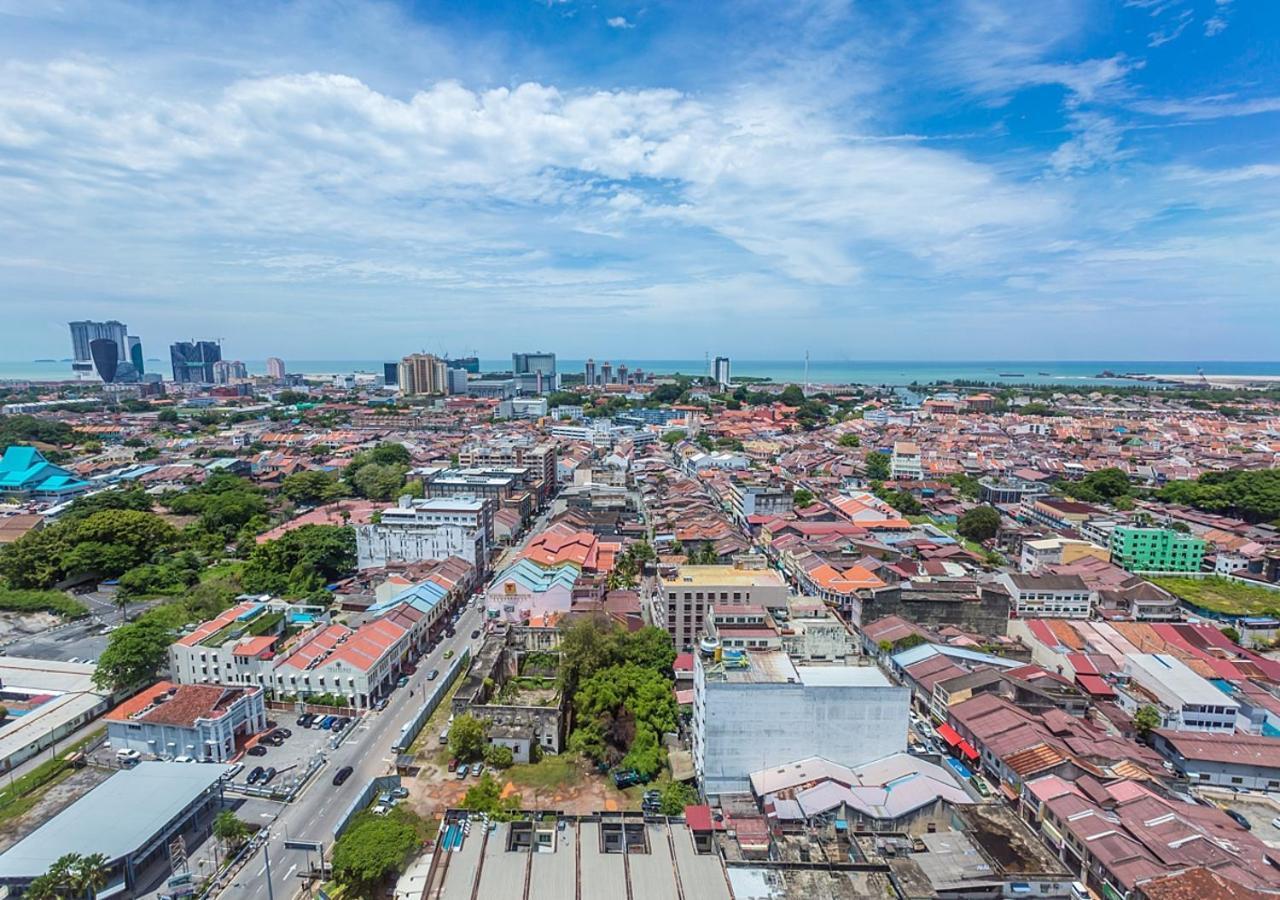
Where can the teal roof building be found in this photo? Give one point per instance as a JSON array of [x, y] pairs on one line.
[[26, 474]]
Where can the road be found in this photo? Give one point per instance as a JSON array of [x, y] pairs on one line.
[[313, 816], [82, 639]]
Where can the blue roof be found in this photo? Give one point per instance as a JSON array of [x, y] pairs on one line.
[[537, 579], [423, 597], [23, 468]]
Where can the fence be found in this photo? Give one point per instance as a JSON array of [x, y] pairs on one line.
[[376, 786], [411, 728]]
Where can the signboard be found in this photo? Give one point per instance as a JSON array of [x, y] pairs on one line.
[[313, 846]]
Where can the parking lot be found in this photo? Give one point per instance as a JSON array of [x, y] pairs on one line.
[[291, 757], [1260, 813]]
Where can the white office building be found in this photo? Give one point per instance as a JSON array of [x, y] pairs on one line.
[[757, 709], [436, 528], [1190, 703]]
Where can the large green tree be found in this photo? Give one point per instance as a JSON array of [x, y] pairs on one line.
[[979, 524], [134, 654], [106, 543], [1251, 494], [312, 488], [301, 561], [371, 850], [468, 737], [877, 465]]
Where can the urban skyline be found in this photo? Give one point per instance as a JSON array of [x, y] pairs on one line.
[[962, 176]]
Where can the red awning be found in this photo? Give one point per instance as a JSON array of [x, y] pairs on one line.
[[1095, 685], [967, 749], [949, 734]]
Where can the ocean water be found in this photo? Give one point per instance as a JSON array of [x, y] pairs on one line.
[[879, 372]]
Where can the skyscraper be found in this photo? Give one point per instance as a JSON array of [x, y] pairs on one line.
[[226, 371], [532, 363], [275, 368], [193, 361], [589, 378], [135, 355], [606, 373], [423, 373], [106, 358], [85, 332], [721, 371], [622, 373]]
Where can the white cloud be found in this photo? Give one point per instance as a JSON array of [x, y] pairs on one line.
[[1096, 141], [1171, 31], [619, 22], [1221, 106]]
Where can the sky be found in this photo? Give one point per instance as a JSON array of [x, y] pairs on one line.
[[966, 179]]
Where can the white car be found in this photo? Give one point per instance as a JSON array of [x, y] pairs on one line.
[[128, 754], [183, 759]]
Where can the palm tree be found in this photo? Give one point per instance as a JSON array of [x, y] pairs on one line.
[[91, 874], [62, 876], [122, 601]]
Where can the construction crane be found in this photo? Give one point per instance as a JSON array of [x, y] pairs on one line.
[[1203, 378]]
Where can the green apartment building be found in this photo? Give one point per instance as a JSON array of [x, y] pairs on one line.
[[1156, 550]]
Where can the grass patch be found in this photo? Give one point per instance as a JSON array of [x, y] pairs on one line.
[[231, 568], [43, 601], [26, 791], [548, 774], [1222, 595]]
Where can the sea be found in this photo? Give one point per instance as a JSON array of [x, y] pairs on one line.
[[782, 371]]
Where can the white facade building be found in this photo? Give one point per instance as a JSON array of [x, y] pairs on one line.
[[204, 722], [1048, 596], [906, 463], [1190, 702], [756, 709], [428, 529]]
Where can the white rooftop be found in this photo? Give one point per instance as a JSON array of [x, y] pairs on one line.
[[842, 676], [1162, 671]]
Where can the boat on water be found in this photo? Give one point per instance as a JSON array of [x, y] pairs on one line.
[[1012, 375], [1045, 374]]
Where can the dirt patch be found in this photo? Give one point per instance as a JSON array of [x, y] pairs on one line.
[[576, 790], [16, 625], [55, 800]]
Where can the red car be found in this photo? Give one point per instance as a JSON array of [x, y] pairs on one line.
[[453, 765]]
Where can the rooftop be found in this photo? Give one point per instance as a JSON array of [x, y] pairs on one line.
[[116, 818], [701, 576]]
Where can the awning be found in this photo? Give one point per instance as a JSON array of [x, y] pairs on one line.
[[1095, 685], [967, 749], [950, 735]]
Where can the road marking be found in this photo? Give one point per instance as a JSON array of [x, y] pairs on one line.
[[293, 868], [263, 869]]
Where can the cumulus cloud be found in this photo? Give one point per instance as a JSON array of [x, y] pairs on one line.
[[619, 22]]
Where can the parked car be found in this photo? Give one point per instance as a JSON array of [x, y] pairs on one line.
[[399, 793], [268, 775], [453, 765], [462, 771], [1240, 820], [342, 775], [477, 770], [403, 680], [257, 750], [448, 654], [284, 732], [340, 723], [128, 754], [382, 704], [475, 634], [254, 774], [433, 675], [304, 720], [326, 722]]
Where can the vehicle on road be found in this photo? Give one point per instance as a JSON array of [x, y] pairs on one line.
[[382, 704], [444, 739], [433, 675], [342, 775], [403, 680], [1240, 820], [475, 634], [448, 654], [254, 774]]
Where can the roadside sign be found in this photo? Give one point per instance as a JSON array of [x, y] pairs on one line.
[[313, 846]]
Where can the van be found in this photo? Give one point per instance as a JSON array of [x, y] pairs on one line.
[[444, 737], [1078, 891]]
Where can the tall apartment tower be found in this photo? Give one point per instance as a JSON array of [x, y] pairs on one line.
[[622, 373], [606, 373], [193, 361], [589, 376], [533, 363], [275, 368], [721, 371], [423, 373], [84, 333]]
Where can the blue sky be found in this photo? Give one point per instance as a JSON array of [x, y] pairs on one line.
[[960, 179]]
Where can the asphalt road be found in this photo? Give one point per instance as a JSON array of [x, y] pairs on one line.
[[313, 816], [78, 640]]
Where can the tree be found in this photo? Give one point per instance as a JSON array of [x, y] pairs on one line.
[[649, 648], [379, 482], [877, 466], [621, 713], [1231, 634], [802, 498], [311, 487], [674, 796], [229, 829], [133, 655], [850, 440], [371, 850], [90, 873], [122, 498], [485, 796], [905, 502], [674, 436], [301, 561], [979, 524], [1102, 486], [499, 756], [468, 737], [1146, 720]]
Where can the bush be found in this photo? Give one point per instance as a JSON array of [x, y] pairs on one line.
[[499, 756], [43, 601]]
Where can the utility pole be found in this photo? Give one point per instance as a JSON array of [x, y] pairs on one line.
[[266, 856]]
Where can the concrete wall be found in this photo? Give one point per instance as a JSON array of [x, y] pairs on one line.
[[988, 615]]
